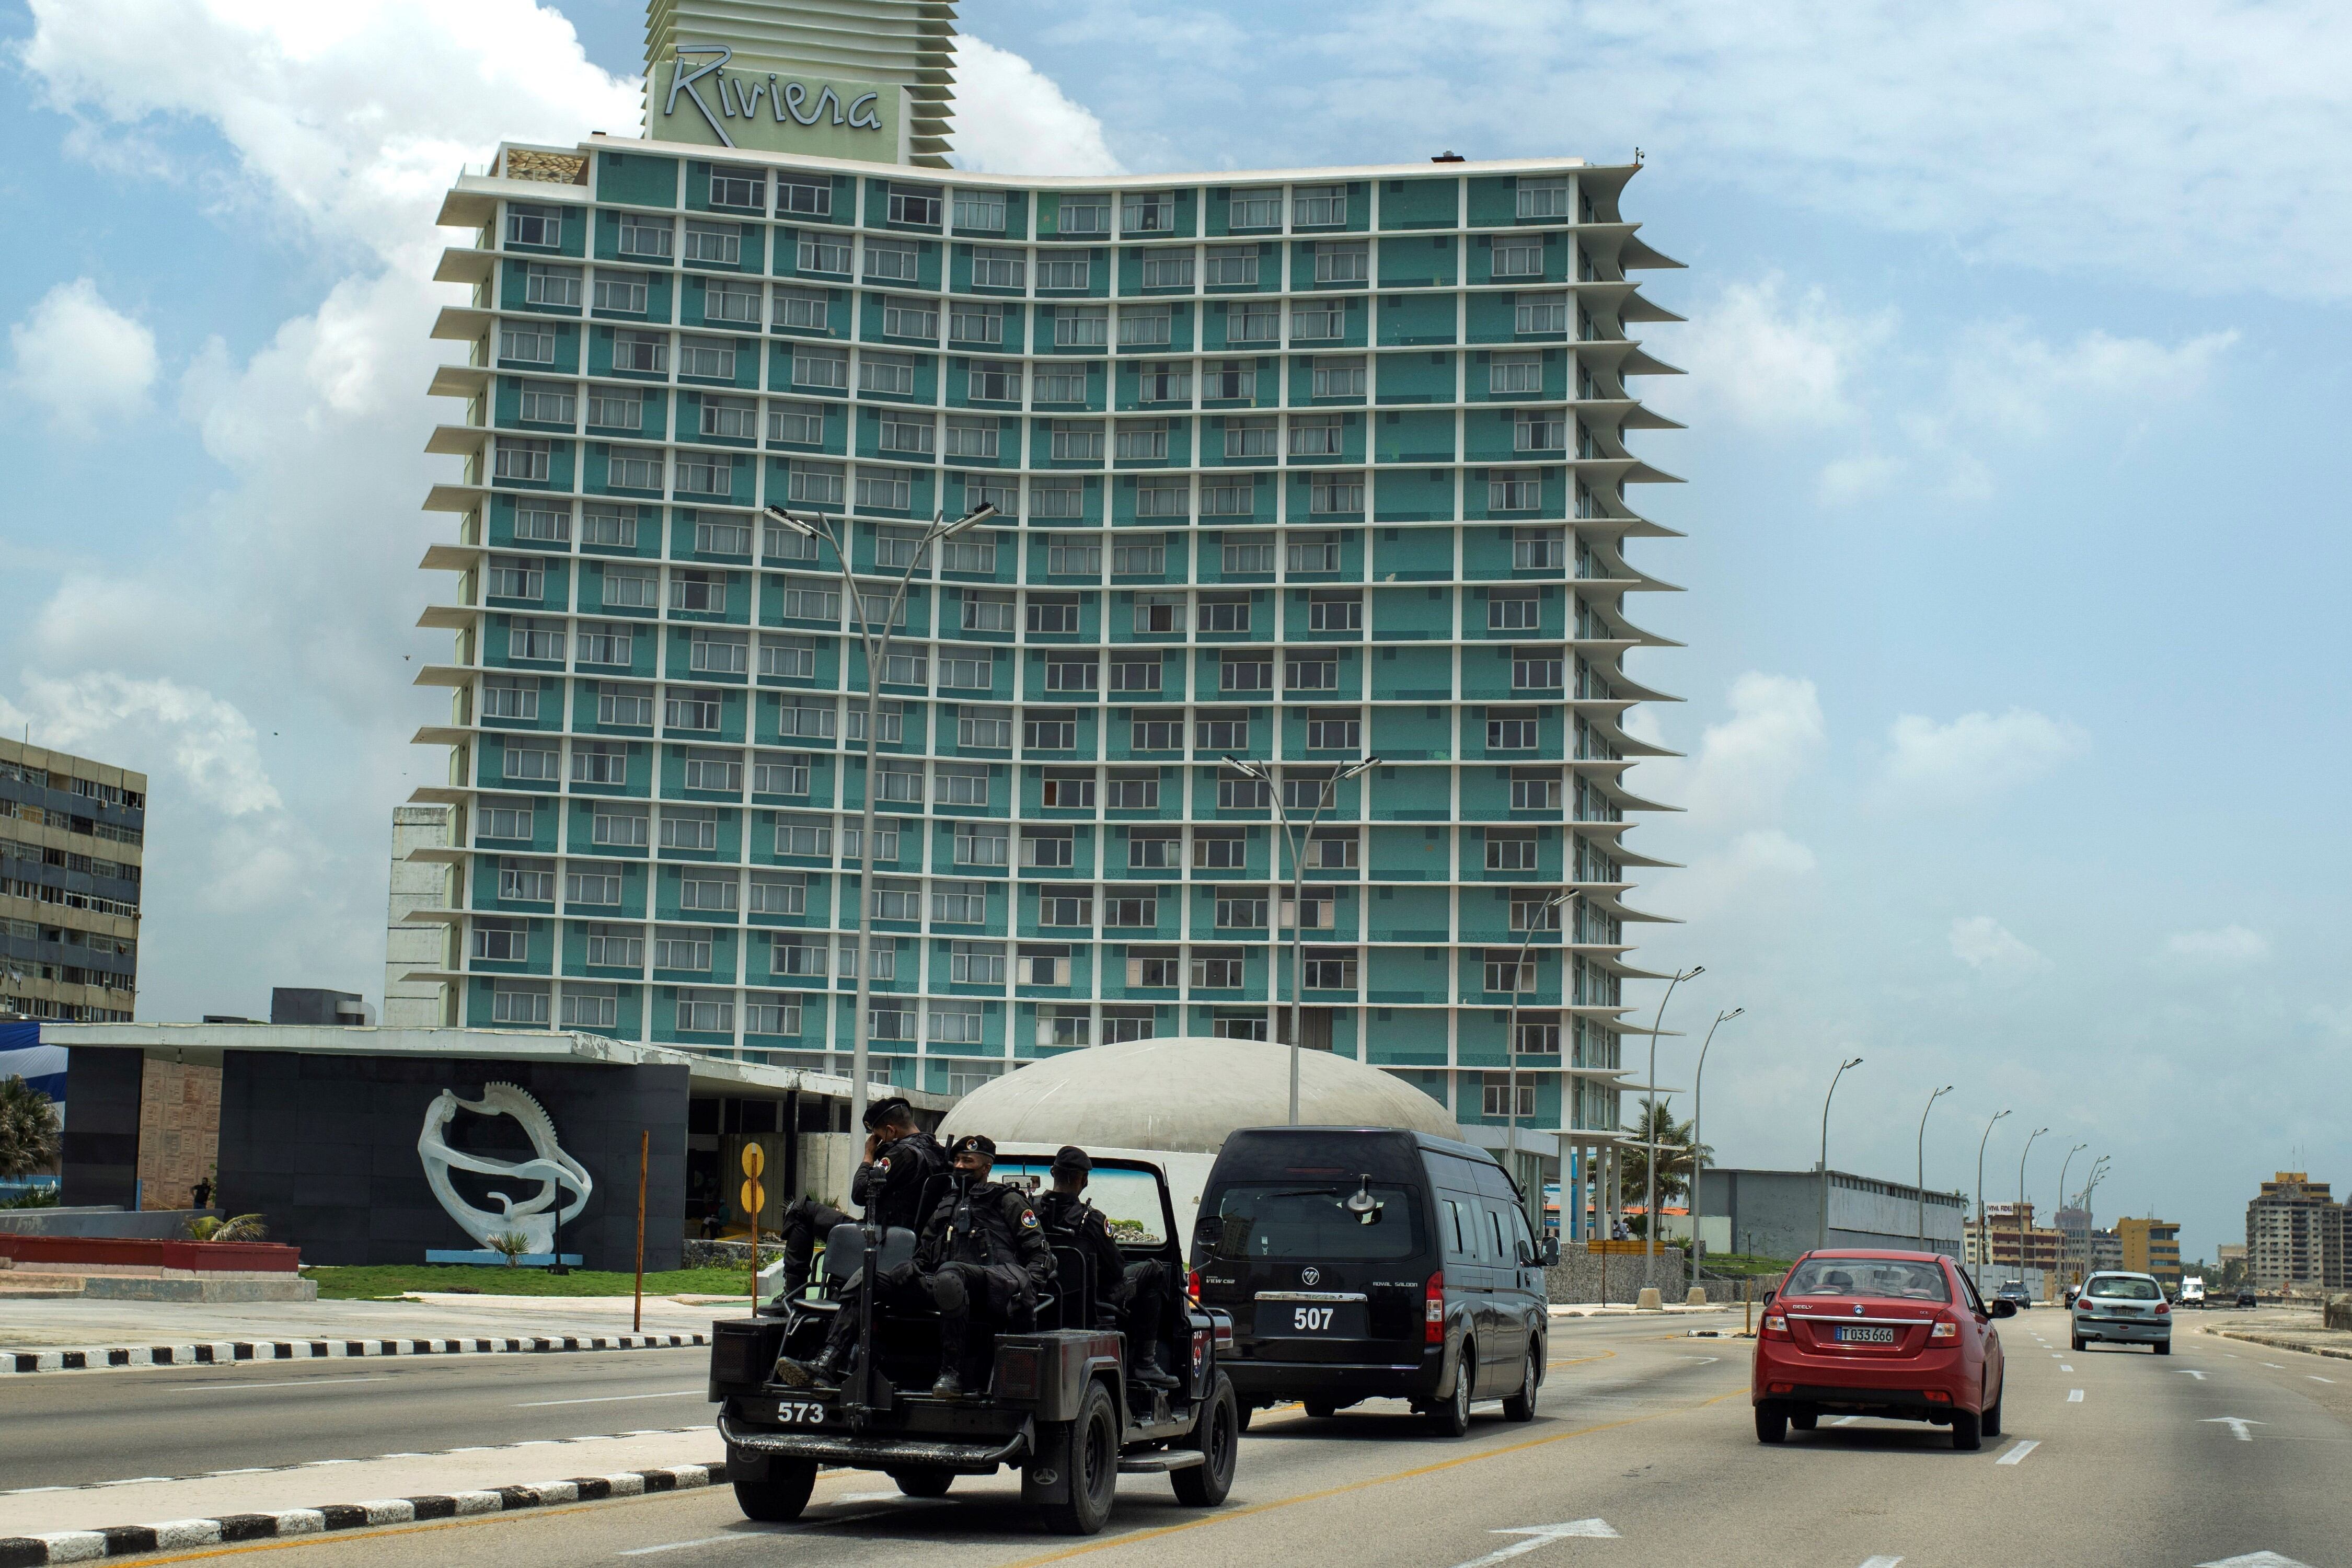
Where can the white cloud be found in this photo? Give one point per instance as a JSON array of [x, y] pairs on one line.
[[210, 744], [1012, 117], [2004, 378], [1974, 757], [1776, 362], [2229, 947], [1746, 765], [80, 359], [1990, 948], [1755, 868]]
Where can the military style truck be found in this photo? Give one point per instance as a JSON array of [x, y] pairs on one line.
[[1052, 1399]]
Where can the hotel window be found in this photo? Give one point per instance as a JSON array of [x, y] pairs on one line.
[[1159, 612], [521, 459], [1318, 207], [1241, 909], [887, 373], [907, 432], [1164, 382], [1334, 854], [1087, 214], [624, 292], [613, 408], [1142, 440], [1069, 790], [718, 245], [1226, 614], [634, 468], [824, 253], [511, 697], [807, 599], [779, 773], [797, 424], [645, 353], [516, 577], [915, 204], [1063, 1028], [993, 381], [1334, 613], [716, 894], [1122, 1024], [808, 195], [1064, 272], [714, 771], [1337, 378], [1147, 212], [1217, 968], [705, 1012], [981, 728], [617, 827], [1233, 266], [1061, 385], [987, 611], [526, 345], [624, 707], [970, 323], [1250, 438], [1049, 730], [817, 484], [1539, 431], [906, 669], [1537, 668], [526, 881], [645, 235], [999, 266], [889, 720], [898, 900], [597, 889], [1511, 730], [1539, 313], [711, 358], [1336, 493], [700, 473], [807, 837], [1077, 440], [629, 588], [1231, 499], [1546, 198], [542, 522], [892, 260], [600, 762], [1144, 326], [1497, 1094], [950, 1025], [1157, 735], [1535, 791], [1514, 489], [1314, 436], [701, 592], [1042, 964], [1154, 967], [519, 1004], [1311, 672], [541, 641], [1519, 256], [506, 820], [1514, 612], [976, 963], [725, 301], [1318, 319], [1313, 552], [528, 224], [890, 490], [1330, 969], [1162, 499], [1073, 555], [1334, 730], [738, 187], [546, 284], [1221, 732], [819, 367], [1508, 972], [1260, 207], [903, 317], [1255, 321], [1081, 326], [962, 903], [772, 1013], [1539, 549], [1509, 375], [1154, 851], [692, 708], [1074, 908], [1247, 554], [548, 403], [688, 827], [1510, 851], [1050, 847], [1127, 791], [1343, 263], [1134, 556], [983, 210], [1168, 269]]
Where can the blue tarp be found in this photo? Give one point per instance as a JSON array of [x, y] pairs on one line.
[[22, 1055]]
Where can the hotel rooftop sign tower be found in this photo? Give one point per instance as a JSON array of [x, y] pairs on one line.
[[1301, 467]]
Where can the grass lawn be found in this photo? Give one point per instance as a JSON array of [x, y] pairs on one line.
[[388, 1281], [1742, 1263]]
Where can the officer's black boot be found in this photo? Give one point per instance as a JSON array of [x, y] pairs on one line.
[[949, 1384], [1148, 1371], [824, 1372]]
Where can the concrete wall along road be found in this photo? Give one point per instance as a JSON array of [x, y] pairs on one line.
[[1581, 1277]]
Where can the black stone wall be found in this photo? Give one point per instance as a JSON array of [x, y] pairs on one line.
[[101, 1146], [326, 1147]]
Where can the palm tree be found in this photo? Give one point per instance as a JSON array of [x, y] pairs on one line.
[[1674, 1152], [29, 1129]]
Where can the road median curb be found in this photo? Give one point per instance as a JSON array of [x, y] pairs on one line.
[[180, 1535], [232, 1352], [2276, 1343]]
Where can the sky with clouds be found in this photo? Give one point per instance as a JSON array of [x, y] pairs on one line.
[[2015, 733]]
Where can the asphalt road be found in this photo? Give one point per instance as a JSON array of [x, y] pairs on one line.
[[90, 1428], [1644, 1444]]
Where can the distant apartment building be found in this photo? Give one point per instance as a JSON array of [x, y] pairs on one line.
[[2151, 1247], [2295, 1235], [2005, 1237], [70, 836]]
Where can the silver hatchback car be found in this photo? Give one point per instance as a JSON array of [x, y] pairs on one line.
[[2129, 1309]]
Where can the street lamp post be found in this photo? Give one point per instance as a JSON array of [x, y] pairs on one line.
[[1855, 1062], [2021, 1199], [2065, 1249], [1984, 1237], [1650, 1117], [1325, 797], [1698, 1125], [876, 642], [1922, 1188]]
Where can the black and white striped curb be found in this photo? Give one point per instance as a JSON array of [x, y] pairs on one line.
[[181, 1534], [226, 1352], [361, 1459]]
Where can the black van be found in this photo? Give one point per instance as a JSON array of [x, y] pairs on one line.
[[1371, 1263]]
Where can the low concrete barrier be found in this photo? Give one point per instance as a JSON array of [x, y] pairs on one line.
[[57, 1253], [103, 1220]]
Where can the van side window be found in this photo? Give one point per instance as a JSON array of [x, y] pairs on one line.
[[1519, 1232], [1503, 1253], [1454, 1239]]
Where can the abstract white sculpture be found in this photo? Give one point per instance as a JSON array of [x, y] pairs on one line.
[[553, 1169]]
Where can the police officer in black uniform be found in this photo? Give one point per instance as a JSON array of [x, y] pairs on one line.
[[1129, 1297], [900, 1160]]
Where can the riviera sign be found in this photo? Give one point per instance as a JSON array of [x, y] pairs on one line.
[[702, 101]]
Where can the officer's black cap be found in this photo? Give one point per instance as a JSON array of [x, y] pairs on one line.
[[888, 1112], [976, 1144], [1070, 1157]]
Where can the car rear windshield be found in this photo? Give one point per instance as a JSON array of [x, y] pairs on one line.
[[1312, 1220], [1879, 1277], [2117, 1288]]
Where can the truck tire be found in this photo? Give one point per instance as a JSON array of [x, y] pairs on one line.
[[779, 1498], [1317, 1409], [1249, 1413], [1086, 1451], [1218, 1436], [1452, 1418], [925, 1482]]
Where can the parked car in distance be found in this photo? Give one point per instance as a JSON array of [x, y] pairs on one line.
[[2124, 1309], [2246, 1299], [1371, 1263], [1900, 1335], [2014, 1290]]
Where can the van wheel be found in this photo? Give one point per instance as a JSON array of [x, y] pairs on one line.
[[779, 1498], [1219, 1438], [1521, 1407], [1317, 1409], [1086, 1451], [1452, 1419], [924, 1482]]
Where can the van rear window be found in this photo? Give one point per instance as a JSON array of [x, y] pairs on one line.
[[1310, 1221]]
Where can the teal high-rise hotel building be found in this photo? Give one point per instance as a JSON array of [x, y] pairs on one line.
[[1300, 466]]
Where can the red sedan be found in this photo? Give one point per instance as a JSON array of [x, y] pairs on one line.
[[1900, 1335]]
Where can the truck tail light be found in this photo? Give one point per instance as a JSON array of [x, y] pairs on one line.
[[1432, 1309], [1192, 1286]]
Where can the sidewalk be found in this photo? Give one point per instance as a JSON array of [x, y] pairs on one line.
[[2285, 1330]]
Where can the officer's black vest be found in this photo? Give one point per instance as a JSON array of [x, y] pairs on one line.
[[980, 1231]]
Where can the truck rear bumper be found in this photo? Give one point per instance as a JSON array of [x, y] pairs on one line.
[[882, 1452]]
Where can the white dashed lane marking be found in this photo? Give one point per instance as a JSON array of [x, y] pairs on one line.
[[2017, 1451], [2073, 1396]]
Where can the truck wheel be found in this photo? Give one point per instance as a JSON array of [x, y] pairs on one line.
[[1317, 1409], [1248, 1412], [924, 1482], [1086, 1451], [1452, 1419], [778, 1499], [1521, 1407], [1219, 1438]]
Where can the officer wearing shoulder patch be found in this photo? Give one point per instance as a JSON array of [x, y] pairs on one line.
[[982, 1255], [1129, 1297], [901, 1159]]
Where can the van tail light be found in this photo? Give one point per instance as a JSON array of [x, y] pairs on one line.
[[1945, 1329], [2163, 1309], [1432, 1309], [1775, 1327], [1192, 1286]]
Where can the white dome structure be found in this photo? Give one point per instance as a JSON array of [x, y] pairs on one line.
[[1185, 1095]]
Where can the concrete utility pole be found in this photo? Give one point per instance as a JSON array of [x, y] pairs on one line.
[[1922, 1188], [877, 641], [1857, 1062], [1984, 1237], [1650, 1220], [1698, 1123], [2021, 1199]]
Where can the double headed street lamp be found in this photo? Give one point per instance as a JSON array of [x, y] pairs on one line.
[[1922, 1188], [878, 651], [1855, 1062], [1650, 1218], [2020, 1198], [2065, 1250], [1698, 1125], [1984, 1228], [1328, 794]]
